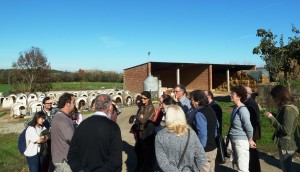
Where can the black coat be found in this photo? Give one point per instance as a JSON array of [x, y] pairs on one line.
[[254, 117], [96, 146]]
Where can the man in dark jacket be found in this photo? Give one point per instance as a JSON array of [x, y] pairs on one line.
[[255, 121], [96, 144], [48, 111], [216, 108]]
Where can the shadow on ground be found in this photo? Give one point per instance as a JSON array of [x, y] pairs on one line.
[[271, 160], [131, 157]]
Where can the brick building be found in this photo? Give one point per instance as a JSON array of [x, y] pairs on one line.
[[192, 75]]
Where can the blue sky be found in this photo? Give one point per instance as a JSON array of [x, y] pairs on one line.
[[117, 34]]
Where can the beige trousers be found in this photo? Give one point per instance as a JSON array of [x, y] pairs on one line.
[[210, 161]]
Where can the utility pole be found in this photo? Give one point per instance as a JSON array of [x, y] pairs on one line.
[[8, 81]]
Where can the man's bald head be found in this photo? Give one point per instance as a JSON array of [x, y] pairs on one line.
[[249, 91], [102, 102]]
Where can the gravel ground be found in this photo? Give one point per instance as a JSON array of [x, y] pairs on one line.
[[9, 125]]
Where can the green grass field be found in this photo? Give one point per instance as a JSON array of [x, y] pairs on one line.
[[3, 88], [10, 158], [295, 83], [56, 86], [85, 85]]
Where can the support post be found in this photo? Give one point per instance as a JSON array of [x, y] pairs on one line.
[[228, 82], [178, 76], [210, 77]]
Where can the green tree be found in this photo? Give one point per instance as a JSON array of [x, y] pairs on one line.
[[278, 57], [31, 72]]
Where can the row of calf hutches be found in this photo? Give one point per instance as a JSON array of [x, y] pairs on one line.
[[28, 104]]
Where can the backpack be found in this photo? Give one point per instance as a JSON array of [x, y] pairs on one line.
[[22, 142]]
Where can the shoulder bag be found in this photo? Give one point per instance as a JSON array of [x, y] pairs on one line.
[[221, 153], [229, 149], [182, 155]]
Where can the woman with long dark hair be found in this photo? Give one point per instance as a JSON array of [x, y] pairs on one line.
[[145, 143], [285, 124], [34, 139]]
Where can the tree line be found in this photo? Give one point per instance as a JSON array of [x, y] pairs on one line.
[[67, 76], [86, 76], [32, 72]]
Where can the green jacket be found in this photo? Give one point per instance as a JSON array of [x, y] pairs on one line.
[[285, 125]]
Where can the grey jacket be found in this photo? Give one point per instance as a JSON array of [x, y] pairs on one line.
[[169, 148]]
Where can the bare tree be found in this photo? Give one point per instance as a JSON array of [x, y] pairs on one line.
[[32, 71]]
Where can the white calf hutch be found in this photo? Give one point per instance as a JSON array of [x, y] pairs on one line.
[[7, 102], [22, 99], [18, 110], [81, 103], [34, 107], [32, 98]]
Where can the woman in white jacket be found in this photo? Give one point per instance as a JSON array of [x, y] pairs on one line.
[[34, 141]]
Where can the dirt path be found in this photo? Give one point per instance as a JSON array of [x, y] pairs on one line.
[[8, 125]]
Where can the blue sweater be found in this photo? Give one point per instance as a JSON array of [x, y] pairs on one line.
[[241, 126]]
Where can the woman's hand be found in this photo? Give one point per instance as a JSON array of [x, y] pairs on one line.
[[42, 139], [268, 114], [252, 144]]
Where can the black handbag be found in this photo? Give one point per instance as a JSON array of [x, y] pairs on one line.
[[221, 152]]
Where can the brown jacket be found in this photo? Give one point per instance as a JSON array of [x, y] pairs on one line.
[[148, 112]]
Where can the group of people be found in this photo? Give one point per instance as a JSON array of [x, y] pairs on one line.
[[58, 140], [179, 136]]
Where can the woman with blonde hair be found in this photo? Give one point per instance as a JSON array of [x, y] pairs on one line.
[[178, 148]]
